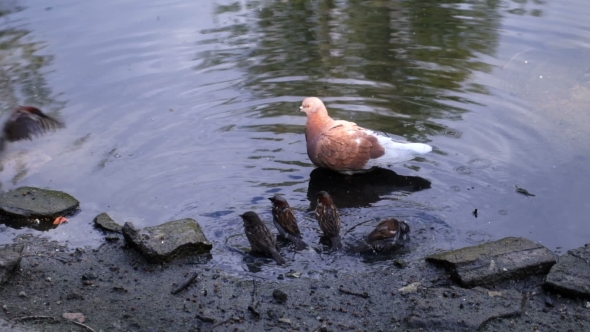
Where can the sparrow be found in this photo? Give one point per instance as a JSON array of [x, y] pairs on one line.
[[347, 148], [328, 218], [25, 123], [260, 238], [387, 234], [285, 221]]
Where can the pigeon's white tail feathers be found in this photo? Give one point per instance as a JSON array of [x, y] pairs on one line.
[[419, 148], [396, 152]]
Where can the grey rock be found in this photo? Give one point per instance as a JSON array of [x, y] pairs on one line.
[[506, 259], [10, 256], [107, 223], [168, 241], [571, 274], [459, 309], [30, 202]]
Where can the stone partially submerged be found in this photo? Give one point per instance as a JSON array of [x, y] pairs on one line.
[[168, 241], [30, 202], [571, 274], [104, 221], [505, 259], [458, 309]]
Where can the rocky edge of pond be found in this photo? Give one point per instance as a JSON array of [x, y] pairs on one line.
[[160, 279]]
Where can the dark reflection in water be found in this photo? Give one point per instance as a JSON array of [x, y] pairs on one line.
[[43, 226], [360, 190]]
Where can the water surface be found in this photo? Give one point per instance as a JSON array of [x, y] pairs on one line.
[[189, 109]]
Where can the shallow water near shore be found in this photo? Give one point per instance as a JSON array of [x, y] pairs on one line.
[[191, 110]]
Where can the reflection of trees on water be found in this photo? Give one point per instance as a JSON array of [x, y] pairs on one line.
[[21, 65], [406, 62]]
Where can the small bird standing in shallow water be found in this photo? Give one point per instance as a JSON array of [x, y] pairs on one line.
[[260, 238], [346, 148], [285, 221], [387, 234], [328, 218], [26, 122]]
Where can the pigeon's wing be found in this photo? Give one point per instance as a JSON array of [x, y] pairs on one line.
[[347, 146]]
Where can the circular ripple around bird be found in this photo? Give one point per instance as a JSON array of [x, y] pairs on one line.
[[479, 163], [464, 170], [452, 133], [477, 236]]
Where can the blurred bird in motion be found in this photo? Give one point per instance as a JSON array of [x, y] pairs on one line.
[[27, 122], [388, 235]]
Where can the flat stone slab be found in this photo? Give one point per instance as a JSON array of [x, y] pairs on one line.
[[168, 241], [30, 202], [459, 309], [10, 256], [571, 274], [107, 223], [506, 259]]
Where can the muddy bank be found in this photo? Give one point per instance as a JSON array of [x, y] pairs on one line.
[[116, 289]]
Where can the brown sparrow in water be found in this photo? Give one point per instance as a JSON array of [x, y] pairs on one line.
[[260, 238], [285, 221], [26, 122], [387, 234], [328, 218]]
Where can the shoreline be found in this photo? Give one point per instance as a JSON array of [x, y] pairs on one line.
[[116, 289]]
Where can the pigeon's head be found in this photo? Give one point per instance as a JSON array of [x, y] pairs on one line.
[[312, 105]]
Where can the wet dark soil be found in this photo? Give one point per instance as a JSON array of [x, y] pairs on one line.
[[116, 289]]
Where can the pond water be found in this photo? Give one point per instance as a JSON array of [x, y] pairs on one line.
[[190, 109]]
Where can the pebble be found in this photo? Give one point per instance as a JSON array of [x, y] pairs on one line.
[[279, 295], [89, 276], [411, 288], [75, 316], [285, 320]]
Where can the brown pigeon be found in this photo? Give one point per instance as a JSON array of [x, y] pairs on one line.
[[25, 123], [345, 147]]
